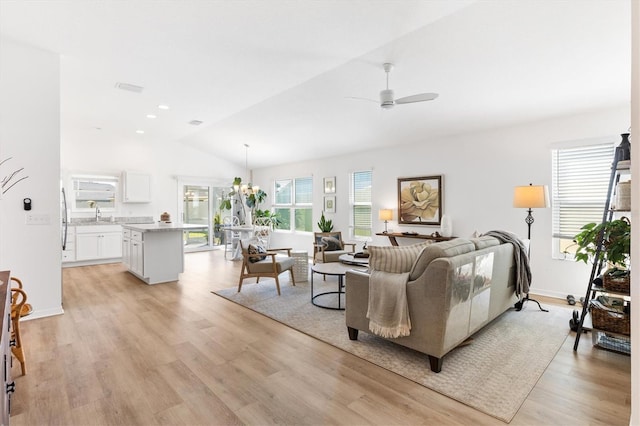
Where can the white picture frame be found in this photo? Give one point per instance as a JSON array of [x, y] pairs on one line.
[[330, 204], [330, 185]]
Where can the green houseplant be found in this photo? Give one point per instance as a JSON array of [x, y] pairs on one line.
[[324, 224], [616, 246], [252, 197]]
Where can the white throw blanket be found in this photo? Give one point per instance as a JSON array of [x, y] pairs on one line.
[[388, 309]]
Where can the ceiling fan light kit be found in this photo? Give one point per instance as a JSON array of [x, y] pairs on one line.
[[387, 96], [386, 99]]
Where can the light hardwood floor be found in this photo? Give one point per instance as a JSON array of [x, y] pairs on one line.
[[128, 353]]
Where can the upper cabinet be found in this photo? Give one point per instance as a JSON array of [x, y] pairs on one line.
[[136, 187]]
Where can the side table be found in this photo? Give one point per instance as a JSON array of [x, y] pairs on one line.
[[301, 265]]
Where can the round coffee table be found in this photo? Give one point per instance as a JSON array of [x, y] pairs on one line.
[[337, 269], [350, 259]]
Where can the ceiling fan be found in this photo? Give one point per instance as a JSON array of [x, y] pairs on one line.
[[387, 100]]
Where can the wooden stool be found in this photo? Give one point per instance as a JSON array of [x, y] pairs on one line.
[[19, 309]]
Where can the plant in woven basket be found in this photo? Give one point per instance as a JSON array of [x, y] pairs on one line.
[[616, 245]]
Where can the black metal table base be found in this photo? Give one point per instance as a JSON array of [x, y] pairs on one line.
[[340, 292]]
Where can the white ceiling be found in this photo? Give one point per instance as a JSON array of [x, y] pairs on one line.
[[276, 74]]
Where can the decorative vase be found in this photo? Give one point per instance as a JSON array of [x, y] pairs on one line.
[[624, 148], [446, 227]]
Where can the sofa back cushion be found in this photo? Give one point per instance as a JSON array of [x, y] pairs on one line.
[[484, 242], [395, 259], [449, 248]]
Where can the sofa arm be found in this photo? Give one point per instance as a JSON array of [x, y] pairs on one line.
[[357, 300]]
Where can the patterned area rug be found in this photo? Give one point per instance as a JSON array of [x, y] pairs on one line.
[[494, 374]]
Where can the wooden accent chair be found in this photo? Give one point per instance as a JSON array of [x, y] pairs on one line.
[[19, 309], [329, 246], [258, 262]]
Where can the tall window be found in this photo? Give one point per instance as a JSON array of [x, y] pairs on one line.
[[293, 202], [360, 198], [580, 179]]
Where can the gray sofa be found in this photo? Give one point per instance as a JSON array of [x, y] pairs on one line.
[[455, 288]]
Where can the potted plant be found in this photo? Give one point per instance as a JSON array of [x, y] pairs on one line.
[[324, 224], [615, 250], [241, 195]]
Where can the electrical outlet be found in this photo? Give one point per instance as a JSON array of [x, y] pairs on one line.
[[37, 219]]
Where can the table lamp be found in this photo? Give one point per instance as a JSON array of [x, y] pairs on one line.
[[386, 215]]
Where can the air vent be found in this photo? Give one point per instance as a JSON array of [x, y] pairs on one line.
[[129, 87], [195, 122]]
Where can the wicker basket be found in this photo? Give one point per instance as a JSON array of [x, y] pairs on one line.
[[619, 284], [607, 320]]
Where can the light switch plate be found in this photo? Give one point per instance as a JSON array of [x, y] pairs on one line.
[[37, 219]]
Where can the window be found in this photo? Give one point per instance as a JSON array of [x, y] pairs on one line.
[[360, 199], [293, 204], [89, 192], [580, 180]]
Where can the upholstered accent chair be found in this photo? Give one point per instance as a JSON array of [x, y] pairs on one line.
[[329, 246], [259, 262]]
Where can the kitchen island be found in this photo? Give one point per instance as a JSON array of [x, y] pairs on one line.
[[154, 252]]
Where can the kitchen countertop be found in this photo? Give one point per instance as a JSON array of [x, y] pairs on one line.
[[85, 221], [157, 227]]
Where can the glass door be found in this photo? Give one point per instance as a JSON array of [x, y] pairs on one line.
[[199, 203], [196, 211]]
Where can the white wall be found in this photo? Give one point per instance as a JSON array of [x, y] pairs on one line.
[[30, 133], [479, 174]]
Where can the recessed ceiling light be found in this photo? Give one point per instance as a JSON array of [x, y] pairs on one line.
[[195, 122], [162, 106], [140, 132], [152, 116]]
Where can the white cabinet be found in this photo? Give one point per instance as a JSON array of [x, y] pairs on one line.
[[153, 255], [136, 254], [98, 242], [136, 187], [126, 247]]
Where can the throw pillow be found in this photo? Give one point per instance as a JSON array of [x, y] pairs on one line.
[[331, 244], [395, 259], [256, 249]]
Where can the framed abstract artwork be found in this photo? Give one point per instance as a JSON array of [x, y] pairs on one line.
[[330, 185], [420, 200]]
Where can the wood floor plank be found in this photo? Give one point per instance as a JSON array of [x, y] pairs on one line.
[[126, 353]]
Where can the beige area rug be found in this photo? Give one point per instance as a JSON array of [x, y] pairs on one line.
[[494, 374]]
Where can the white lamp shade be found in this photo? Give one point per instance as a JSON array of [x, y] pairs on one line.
[[385, 214], [531, 196]]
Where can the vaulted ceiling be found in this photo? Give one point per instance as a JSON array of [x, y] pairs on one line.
[[278, 74]]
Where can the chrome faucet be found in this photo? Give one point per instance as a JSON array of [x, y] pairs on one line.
[[97, 213]]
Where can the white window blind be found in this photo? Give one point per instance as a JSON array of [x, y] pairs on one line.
[[580, 180], [361, 221]]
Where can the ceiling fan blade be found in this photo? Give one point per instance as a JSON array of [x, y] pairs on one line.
[[362, 99], [417, 98]]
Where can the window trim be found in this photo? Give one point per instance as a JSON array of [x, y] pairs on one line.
[[593, 212], [292, 205], [353, 204]]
